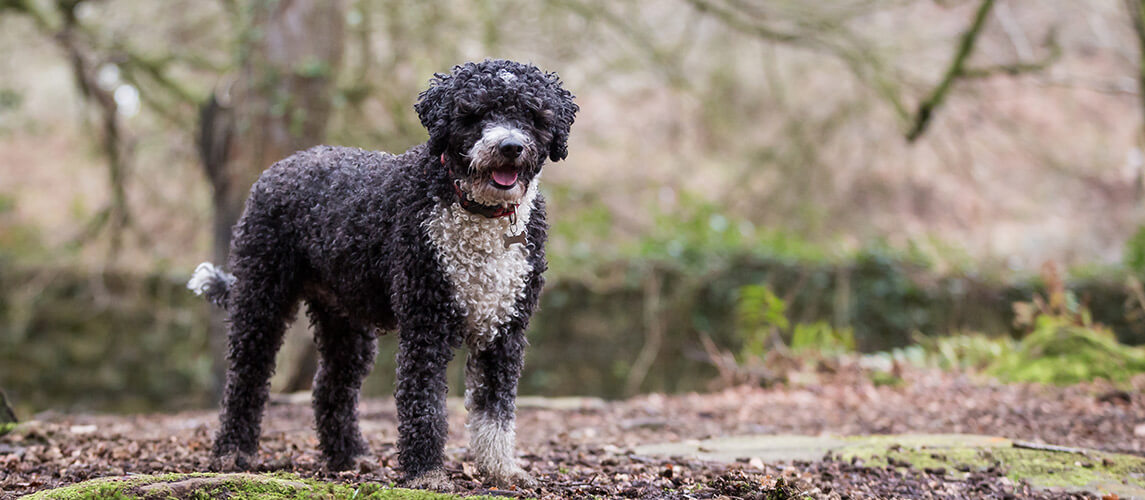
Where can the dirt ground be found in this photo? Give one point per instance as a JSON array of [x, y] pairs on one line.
[[581, 448]]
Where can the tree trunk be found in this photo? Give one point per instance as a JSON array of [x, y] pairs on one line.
[[290, 54]]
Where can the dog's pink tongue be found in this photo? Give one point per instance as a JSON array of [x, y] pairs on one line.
[[505, 177]]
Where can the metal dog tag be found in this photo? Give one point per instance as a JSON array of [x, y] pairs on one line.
[[519, 238]]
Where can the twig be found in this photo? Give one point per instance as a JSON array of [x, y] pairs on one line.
[[725, 364], [653, 334], [6, 414], [1026, 445], [1135, 302], [1091, 85], [1014, 31], [1017, 68]]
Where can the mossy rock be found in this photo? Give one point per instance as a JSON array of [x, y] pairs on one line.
[[952, 455], [204, 486]]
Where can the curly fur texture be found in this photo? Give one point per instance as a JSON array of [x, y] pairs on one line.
[[376, 242], [471, 250]]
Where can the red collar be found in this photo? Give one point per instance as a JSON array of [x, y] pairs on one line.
[[490, 211]]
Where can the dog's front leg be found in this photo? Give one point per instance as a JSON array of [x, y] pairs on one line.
[[491, 375], [423, 355]]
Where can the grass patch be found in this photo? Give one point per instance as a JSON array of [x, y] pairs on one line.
[[279, 486]]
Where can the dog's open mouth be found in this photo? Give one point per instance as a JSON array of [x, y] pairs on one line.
[[504, 178]]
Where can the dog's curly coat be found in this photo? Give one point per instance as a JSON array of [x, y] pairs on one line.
[[429, 243]]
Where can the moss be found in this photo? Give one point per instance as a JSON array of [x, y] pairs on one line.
[[7, 427], [231, 486], [886, 379], [112, 488], [1045, 469]]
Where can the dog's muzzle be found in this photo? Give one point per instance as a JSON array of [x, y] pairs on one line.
[[510, 148], [467, 202]]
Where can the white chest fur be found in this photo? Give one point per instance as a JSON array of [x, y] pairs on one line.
[[487, 278]]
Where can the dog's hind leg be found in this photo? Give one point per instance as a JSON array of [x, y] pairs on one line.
[[263, 300], [491, 375], [347, 355]]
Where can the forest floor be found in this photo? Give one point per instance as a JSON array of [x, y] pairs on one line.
[[588, 447]]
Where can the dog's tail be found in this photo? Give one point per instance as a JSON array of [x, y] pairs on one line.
[[212, 283]]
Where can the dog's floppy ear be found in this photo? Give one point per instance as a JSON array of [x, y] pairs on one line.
[[563, 114], [433, 109]]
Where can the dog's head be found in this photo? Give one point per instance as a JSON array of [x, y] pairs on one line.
[[496, 121]]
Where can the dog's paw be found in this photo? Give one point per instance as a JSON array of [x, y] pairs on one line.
[[232, 461], [513, 476], [340, 464], [436, 480], [344, 454]]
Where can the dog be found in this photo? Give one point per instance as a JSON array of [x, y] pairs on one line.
[[444, 243]]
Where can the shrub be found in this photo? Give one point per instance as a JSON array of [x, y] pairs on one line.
[[1061, 344], [761, 321], [1059, 351]]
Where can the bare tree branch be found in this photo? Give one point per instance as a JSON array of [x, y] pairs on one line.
[[155, 68], [1099, 86], [1013, 31], [739, 22], [812, 29], [62, 25], [953, 72], [666, 60], [851, 50], [1136, 10]]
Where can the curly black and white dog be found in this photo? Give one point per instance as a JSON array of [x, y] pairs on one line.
[[443, 243]]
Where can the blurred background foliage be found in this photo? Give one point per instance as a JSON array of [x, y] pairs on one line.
[[751, 184]]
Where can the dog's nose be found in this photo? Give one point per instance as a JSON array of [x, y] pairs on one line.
[[511, 148]]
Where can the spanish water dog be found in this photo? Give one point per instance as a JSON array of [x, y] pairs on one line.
[[443, 243]]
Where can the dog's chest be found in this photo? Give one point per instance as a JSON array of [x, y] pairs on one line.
[[487, 274]]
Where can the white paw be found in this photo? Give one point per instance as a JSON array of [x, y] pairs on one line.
[[512, 476]]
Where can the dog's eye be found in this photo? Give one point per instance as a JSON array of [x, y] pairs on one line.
[[469, 118], [544, 117], [467, 111]]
